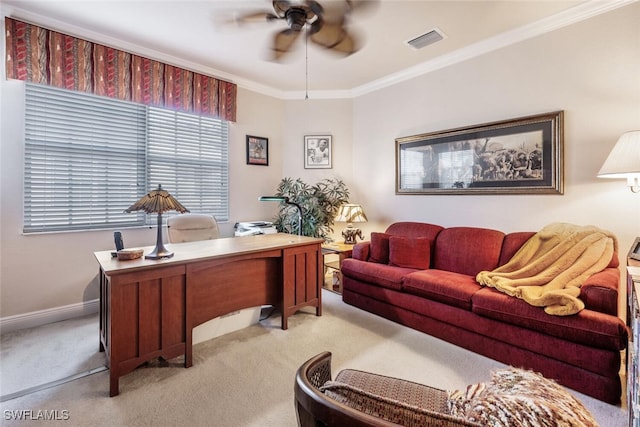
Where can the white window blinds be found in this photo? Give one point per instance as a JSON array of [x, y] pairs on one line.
[[88, 158]]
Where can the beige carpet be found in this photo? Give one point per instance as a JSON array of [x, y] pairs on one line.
[[244, 378]]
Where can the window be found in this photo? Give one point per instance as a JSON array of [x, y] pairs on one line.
[[88, 158]]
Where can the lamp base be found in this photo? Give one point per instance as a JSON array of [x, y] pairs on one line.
[[159, 251], [350, 233], [155, 254]]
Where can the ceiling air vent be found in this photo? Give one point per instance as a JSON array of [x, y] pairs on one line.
[[426, 39]]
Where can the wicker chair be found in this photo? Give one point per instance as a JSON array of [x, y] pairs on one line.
[[355, 399]]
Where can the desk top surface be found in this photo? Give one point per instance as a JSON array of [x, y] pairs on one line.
[[205, 249]]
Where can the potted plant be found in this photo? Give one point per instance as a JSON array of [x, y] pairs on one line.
[[319, 202]]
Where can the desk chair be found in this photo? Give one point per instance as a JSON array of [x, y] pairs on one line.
[[192, 227]]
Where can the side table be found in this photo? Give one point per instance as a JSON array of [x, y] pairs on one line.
[[343, 251]]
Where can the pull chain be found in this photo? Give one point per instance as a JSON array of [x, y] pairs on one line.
[[306, 62]]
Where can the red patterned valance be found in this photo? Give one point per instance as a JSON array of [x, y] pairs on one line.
[[38, 55]]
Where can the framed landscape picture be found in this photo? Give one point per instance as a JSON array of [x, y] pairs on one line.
[[517, 156], [257, 150], [317, 152]]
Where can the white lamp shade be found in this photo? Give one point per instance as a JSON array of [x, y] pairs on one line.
[[624, 159], [351, 212]]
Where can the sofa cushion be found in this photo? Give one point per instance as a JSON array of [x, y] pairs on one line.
[[600, 291], [414, 229], [467, 250], [410, 252], [586, 327], [379, 248], [361, 251], [443, 286], [512, 243], [383, 275]]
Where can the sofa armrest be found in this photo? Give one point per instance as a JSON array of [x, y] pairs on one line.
[[361, 251], [600, 291]]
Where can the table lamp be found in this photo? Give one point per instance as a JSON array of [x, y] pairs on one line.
[[350, 213], [285, 200], [624, 160], [158, 201]]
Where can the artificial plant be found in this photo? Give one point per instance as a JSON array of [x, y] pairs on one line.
[[320, 204]]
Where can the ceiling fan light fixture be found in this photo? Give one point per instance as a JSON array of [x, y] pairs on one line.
[[296, 18], [426, 39]]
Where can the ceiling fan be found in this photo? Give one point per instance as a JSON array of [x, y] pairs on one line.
[[325, 26]]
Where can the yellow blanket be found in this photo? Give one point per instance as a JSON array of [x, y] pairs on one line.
[[548, 270]]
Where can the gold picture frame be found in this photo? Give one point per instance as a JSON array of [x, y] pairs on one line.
[[517, 156]]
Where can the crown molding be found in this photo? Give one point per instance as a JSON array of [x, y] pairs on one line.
[[568, 17]]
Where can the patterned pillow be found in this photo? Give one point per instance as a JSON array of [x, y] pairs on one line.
[[519, 398]]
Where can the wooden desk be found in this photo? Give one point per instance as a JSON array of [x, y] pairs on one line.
[[148, 308]]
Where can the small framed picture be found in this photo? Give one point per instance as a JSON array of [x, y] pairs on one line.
[[317, 152], [257, 150]]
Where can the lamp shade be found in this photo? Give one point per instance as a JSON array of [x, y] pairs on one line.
[[273, 199], [624, 159], [157, 201], [351, 212]]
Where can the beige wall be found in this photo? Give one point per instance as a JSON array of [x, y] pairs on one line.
[[44, 271], [590, 70]]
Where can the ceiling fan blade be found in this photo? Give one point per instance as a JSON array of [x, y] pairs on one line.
[[255, 17], [315, 7], [335, 37], [362, 5], [282, 42], [281, 6]]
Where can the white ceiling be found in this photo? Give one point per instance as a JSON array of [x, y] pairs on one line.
[[201, 35]]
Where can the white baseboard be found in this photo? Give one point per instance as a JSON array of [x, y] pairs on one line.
[[50, 315]]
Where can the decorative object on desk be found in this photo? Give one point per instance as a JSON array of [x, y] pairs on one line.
[[517, 156], [257, 150], [128, 254], [320, 203], [286, 201], [317, 152], [350, 213], [158, 201], [624, 161]]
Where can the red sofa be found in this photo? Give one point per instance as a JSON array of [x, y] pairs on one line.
[[426, 280]]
